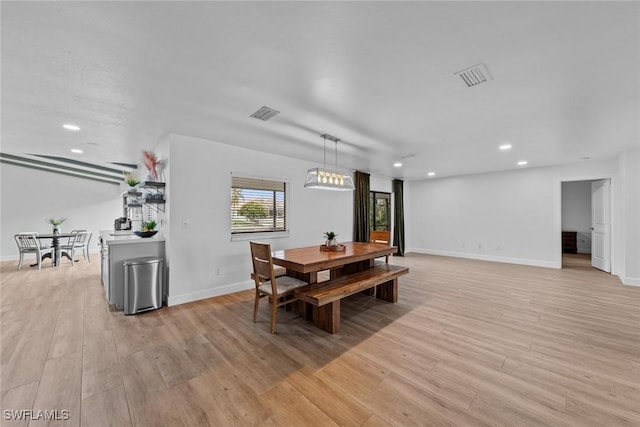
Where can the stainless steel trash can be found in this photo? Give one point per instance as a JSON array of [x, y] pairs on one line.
[[143, 280]]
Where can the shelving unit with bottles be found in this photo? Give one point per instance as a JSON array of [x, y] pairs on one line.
[[143, 203]]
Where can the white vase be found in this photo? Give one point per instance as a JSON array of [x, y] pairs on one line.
[[160, 172], [57, 230]]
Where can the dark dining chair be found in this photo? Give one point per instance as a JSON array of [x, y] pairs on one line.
[[279, 289], [28, 244]]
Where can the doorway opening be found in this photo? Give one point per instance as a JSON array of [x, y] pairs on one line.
[[586, 224], [576, 261]]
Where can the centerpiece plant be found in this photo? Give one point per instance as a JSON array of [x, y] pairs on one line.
[[56, 222], [331, 238]]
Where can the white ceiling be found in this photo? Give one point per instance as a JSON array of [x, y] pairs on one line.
[[378, 75]]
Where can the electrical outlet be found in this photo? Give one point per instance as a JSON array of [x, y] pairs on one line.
[[217, 271], [186, 224], [479, 246]]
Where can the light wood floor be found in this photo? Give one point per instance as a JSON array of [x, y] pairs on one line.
[[468, 343]]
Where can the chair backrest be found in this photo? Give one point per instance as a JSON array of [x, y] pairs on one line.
[[378, 236], [71, 239], [262, 264], [26, 241], [81, 237]]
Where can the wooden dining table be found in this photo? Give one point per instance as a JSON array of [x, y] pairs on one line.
[[305, 263]]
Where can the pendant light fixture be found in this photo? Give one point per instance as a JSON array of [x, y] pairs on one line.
[[325, 179]]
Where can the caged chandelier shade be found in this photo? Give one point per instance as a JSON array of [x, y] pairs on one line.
[[325, 179]]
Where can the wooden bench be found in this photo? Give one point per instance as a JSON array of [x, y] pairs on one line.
[[325, 296]]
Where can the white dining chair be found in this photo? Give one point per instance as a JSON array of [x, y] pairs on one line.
[[85, 246], [76, 242], [28, 244], [70, 239], [81, 242]]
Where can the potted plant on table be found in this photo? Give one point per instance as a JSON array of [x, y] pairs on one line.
[[56, 222], [331, 238]]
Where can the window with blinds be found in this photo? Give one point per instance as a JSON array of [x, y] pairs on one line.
[[257, 205]]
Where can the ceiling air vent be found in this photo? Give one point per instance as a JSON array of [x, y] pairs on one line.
[[475, 75], [265, 113]]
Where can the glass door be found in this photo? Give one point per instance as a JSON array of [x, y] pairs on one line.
[[380, 211]]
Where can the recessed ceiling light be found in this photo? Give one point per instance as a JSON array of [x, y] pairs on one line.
[[585, 158], [77, 151], [397, 165], [522, 162], [505, 147], [69, 126], [431, 174]]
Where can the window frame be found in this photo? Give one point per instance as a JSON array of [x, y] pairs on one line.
[[262, 233], [372, 206]]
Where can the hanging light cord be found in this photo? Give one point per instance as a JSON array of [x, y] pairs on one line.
[[324, 151]]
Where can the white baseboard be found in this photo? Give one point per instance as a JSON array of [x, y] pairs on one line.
[[209, 293], [492, 258], [629, 281]]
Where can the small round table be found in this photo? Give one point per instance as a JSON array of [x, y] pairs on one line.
[[55, 254]]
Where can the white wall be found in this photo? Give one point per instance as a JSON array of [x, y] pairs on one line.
[[504, 216], [381, 184], [199, 182], [630, 217], [30, 196], [576, 212]]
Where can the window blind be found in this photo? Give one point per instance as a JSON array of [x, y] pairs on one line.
[[257, 205]]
